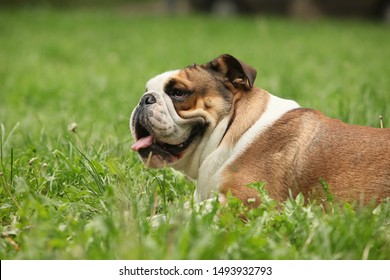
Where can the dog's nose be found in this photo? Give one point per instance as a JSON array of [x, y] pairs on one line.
[[148, 99]]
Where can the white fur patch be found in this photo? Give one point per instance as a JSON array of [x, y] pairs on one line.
[[157, 83]]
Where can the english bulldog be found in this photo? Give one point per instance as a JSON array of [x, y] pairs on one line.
[[210, 122]]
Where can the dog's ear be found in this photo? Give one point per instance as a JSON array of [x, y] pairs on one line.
[[238, 73]]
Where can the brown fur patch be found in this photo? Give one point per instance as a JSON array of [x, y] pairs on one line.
[[207, 93], [248, 107], [304, 147]]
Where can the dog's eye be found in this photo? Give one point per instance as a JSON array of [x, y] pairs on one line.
[[178, 93]]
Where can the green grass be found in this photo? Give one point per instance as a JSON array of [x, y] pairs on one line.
[[83, 194]]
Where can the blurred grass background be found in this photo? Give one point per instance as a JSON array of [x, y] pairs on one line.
[[71, 187]]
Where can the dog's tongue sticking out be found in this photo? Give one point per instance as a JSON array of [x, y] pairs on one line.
[[142, 143]]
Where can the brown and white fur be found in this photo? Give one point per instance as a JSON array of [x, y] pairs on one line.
[[211, 123]]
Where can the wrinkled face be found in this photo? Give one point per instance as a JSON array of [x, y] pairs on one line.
[[178, 110]]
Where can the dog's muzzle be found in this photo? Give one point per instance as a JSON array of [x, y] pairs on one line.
[[159, 131]]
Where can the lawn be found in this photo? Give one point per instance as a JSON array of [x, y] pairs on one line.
[[72, 189]]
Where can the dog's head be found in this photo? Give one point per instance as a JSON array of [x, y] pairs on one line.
[[181, 108]]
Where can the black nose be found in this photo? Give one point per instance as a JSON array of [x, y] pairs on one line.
[[148, 99]]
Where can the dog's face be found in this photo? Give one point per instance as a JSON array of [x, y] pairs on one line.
[[180, 109]]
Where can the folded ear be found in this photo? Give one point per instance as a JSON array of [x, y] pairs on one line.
[[238, 73]]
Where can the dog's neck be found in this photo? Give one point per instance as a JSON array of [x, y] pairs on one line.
[[215, 156], [222, 136], [210, 142]]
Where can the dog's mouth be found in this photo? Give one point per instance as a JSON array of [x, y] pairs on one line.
[[146, 144]]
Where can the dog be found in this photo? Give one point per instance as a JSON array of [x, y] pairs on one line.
[[210, 122]]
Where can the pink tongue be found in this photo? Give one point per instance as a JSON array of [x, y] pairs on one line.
[[142, 143]]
